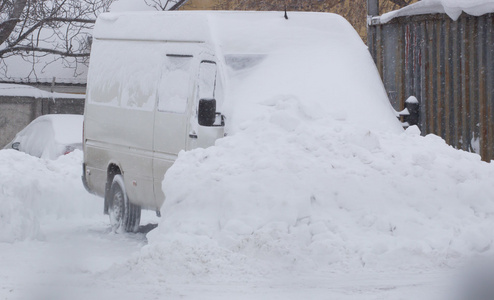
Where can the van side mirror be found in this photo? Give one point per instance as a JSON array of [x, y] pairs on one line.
[[207, 112], [16, 145]]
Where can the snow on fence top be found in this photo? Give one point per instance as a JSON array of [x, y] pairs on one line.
[[453, 8]]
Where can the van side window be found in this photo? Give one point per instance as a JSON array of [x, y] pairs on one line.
[[207, 80], [174, 85], [129, 79]]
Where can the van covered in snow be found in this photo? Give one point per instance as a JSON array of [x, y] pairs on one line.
[[163, 82]]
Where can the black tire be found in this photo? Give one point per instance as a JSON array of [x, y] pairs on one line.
[[124, 216]]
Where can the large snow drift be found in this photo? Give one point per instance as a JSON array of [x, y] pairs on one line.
[[323, 196], [317, 177], [33, 191]]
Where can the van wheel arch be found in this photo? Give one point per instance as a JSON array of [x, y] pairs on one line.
[[113, 169]]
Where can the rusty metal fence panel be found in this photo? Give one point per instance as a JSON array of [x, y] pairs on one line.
[[448, 66]]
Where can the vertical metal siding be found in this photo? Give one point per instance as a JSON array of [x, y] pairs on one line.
[[448, 65]]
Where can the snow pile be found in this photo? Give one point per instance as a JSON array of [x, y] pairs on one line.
[[453, 8], [322, 196], [317, 176], [34, 190]]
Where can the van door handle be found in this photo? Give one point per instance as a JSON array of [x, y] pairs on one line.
[[193, 135]]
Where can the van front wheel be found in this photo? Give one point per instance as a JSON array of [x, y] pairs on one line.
[[124, 216]]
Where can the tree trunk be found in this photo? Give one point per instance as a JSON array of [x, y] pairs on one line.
[[8, 26], [178, 4]]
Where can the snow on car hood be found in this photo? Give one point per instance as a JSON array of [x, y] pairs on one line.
[[47, 136], [67, 128]]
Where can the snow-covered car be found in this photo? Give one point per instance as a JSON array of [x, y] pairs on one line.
[[49, 136]]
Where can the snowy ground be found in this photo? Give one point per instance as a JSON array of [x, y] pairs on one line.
[[56, 244], [316, 193]]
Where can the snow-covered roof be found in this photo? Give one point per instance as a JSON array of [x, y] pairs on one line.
[[453, 8], [79, 80], [20, 90]]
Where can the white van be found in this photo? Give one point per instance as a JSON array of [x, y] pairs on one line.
[[159, 83]]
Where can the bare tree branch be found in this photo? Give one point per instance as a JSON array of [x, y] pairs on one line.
[[71, 20], [13, 18], [166, 4], [47, 31], [47, 20], [178, 4], [35, 29], [43, 50]]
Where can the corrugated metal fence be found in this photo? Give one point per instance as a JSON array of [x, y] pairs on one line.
[[449, 67]]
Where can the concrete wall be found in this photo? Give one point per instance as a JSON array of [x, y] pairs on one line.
[[16, 112], [63, 88]]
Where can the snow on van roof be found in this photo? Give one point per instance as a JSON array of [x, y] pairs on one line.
[[234, 31], [317, 57], [453, 8]]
